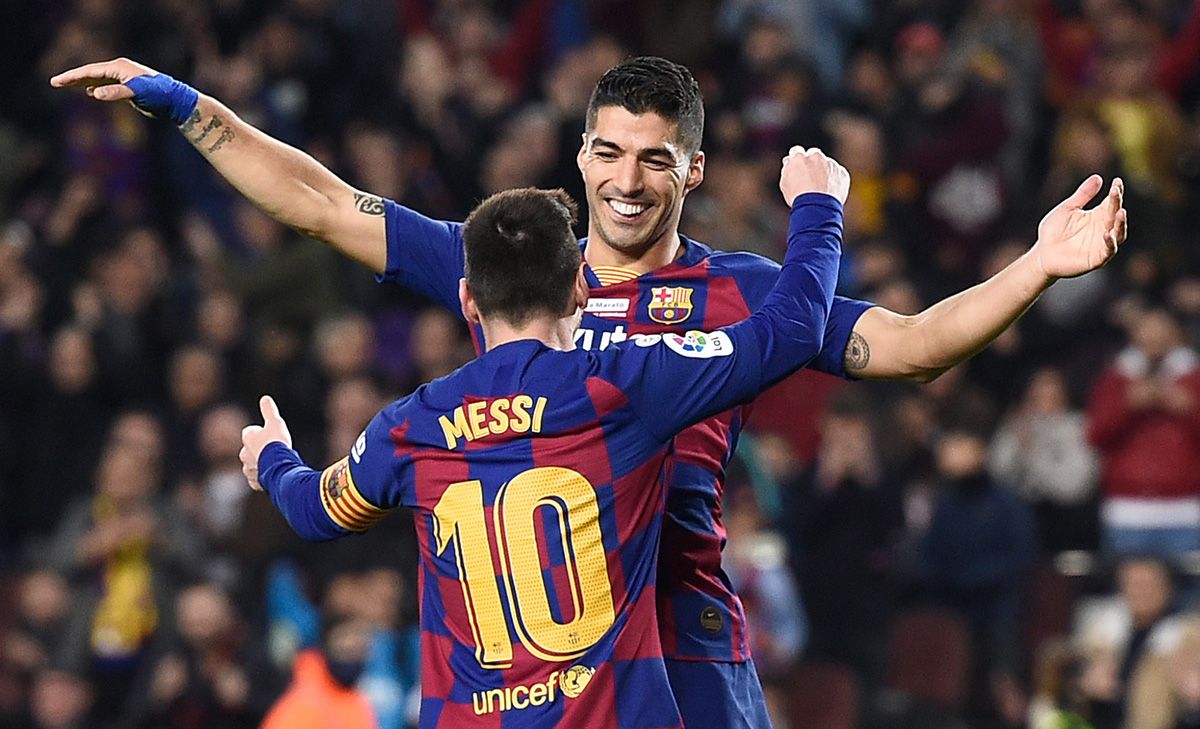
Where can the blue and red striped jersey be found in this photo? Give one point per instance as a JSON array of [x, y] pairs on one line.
[[538, 482], [700, 616]]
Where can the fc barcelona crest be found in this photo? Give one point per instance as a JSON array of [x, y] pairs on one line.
[[670, 304]]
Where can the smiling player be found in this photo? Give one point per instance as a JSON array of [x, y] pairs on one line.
[[538, 473], [640, 158]]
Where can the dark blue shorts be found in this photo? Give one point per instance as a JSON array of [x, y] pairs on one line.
[[715, 695]]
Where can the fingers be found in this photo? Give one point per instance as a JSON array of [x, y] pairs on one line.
[[1120, 229], [1115, 198], [93, 74], [270, 411], [113, 92], [1084, 193]]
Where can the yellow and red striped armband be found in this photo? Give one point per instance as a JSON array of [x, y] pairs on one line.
[[342, 501]]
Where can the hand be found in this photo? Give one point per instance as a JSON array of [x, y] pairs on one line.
[[256, 437], [104, 81], [154, 94], [811, 171], [1072, 241]]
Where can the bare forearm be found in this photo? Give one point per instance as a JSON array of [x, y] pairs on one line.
[[288, 184], [922, 346]]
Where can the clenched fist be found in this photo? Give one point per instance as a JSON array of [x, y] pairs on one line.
[[812, 171]]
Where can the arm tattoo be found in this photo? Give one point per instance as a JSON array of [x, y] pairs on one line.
[[226, 135], [368, 204], [191, 123], [857, 354]]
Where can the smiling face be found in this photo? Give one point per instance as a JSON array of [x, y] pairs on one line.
[[637, 174]]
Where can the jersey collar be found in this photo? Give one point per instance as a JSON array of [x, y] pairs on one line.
[[693, 253]]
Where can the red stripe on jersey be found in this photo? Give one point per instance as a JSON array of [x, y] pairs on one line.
[[706, 444], [724, 304], [606, 397]]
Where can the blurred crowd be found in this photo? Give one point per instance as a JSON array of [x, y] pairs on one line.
[[1014, 544]]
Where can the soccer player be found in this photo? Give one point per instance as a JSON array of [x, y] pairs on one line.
[[639, 159], [538, 472]]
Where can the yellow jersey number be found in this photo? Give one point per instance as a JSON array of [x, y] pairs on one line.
[[459, 518]]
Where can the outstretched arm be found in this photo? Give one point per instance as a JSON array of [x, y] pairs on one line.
[[285, 182], [1071, 242]]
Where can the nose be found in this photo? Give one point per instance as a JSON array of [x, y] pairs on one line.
[[628, 177]]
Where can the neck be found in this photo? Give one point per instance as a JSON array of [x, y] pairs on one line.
[[661, 252], [554, 333]]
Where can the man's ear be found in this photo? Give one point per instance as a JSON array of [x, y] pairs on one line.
[[581, 288], [695, 173], [467, 301], [581, 155]]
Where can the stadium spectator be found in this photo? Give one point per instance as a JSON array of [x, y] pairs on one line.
[[323, 682], [1126, 636], [123, 548], [60, 699], [211, 671], [1041, 451], [1144, 418], [974, 556], [848, 521], [759, 566]]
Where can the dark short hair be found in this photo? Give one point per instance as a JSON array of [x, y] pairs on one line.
[[650, 83], [522, 255]]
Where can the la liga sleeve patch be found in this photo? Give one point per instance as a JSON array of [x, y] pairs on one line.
[[700, 345]]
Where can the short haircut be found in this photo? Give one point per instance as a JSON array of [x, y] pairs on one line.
[[522, 254], [650, 83]]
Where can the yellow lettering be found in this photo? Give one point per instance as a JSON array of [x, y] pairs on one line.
[[499, 413], [550, 684], [457, 429], [520, 411], [537, 414], [476, 418], [517, 701], [479, 701], [495, 699], [537, 694]]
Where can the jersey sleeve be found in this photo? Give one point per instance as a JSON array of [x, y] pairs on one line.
[[424, 255], [676, 380], [350, 496], [843, 315]]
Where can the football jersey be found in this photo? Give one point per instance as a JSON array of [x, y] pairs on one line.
[[538, 480], [700, 616]]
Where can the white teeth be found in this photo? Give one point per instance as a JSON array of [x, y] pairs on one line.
[[626, 208]]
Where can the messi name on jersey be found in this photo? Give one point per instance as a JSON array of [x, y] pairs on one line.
[[478, 419]]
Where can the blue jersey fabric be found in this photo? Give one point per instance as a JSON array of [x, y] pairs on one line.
[[538, 482]]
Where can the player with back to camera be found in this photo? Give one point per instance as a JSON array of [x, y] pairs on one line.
[[537, 473], [639, 159]]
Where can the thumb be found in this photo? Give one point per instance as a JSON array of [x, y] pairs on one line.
[[112, 92], [270, 411], [1086, 191]]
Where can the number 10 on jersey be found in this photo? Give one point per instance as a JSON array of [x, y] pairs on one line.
[[459, 518]]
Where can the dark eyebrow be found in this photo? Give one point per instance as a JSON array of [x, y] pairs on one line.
[[598, 142], [647, 153]]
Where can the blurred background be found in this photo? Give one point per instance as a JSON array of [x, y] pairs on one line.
[[1015, 544]]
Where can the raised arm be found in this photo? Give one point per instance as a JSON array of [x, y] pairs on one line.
[[682, 379], [285, 182], [1071, 242]]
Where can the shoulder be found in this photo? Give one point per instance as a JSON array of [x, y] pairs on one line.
[[743, 264]]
